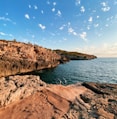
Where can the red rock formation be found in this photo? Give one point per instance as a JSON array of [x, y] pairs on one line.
[[41, 101], [16, 58], [27, 97]]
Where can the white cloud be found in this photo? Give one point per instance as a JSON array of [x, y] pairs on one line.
[[82, 9], [104, 4], [59, 13], [77, 2], [74, 33], [48, 2], [7, 13], [54, 3], [83, 36], [90, 19], [98, 17], [110, 18], [71, 31], [53, 9], [35, 7], [27, 16], [42, 26], [2, 34], [88, 27], [96, 25], [29, 6], [62, 27], [105, 7], [42, 12], [104, 50], [106, 25], [7, 19]]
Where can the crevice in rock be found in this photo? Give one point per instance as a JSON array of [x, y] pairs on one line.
[[92, 88]]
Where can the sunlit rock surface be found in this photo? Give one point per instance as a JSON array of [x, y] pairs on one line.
[[17, 58], [27, 97]]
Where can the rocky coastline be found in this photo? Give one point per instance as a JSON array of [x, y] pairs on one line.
[[66, 55], [28, 97], [17, 58]]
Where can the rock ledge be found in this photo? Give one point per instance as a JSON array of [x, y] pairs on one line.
[[27, 97]]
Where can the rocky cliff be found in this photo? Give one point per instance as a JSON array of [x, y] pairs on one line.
[[17, 58], [74, 55], [27, 97]]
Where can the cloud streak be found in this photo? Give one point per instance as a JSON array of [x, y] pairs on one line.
[[104, 50], [4, 34], [7, 20]]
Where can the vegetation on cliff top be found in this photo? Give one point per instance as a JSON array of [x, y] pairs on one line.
[[75, 55]]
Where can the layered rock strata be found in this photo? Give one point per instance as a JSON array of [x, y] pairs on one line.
[[17, 58], [27, 97]]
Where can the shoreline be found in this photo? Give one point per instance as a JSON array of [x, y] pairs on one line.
[[29, 97]]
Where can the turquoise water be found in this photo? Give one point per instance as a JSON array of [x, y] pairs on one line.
[[97, 70]]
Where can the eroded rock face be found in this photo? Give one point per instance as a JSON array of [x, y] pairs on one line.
[[14, 88], [17, 58], [27, 97]]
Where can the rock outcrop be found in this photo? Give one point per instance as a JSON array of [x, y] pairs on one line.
[[66, 56], [27, 97], [14, 88], [17, 58]]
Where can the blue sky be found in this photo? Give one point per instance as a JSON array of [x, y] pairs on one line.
[[73, 25]]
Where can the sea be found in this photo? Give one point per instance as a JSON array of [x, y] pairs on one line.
[[103, 70]]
